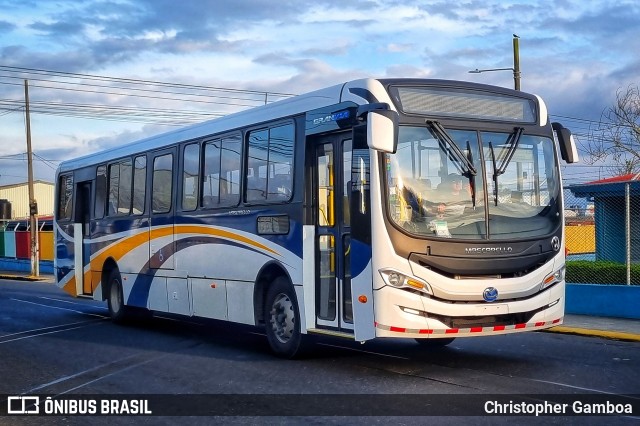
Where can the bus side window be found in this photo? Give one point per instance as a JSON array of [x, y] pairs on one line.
[[270, 164], [65, 197], [120, 182], [114, 181], [101, 191], [211, 174], [139, 184], [230, 169], [190, 175], [258, 154], [162, 183], [280, 164]]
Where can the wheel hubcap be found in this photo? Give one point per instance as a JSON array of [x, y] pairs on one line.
[[282, 318]]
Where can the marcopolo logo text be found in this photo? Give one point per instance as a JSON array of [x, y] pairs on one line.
[[483, 250]]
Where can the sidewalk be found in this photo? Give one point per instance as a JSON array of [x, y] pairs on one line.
[[25, 276], [610, 328], [584, 325]]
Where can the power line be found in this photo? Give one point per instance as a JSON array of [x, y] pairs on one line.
[[42, 159], [137, 81], [256, 101], [230, 99], [585, 120], [165, 98], [117, 113]]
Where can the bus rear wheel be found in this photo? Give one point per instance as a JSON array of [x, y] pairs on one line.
[[118, 311], [435, 342], [282, 319]]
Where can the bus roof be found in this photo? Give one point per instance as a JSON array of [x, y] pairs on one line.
[[359, 91], [284, 108]]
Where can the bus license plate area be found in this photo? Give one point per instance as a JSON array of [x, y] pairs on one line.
[[491, 309]]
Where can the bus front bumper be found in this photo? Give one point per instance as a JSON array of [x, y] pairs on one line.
[[400, 313]]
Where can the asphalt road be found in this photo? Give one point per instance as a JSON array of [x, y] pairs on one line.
[[52, 344]]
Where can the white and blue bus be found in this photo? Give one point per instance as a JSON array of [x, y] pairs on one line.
[[424, 209]]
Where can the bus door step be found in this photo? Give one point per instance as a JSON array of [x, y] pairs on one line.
[[334, 333]]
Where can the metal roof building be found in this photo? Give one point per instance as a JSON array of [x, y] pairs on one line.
[[18, 196], [617, 216]]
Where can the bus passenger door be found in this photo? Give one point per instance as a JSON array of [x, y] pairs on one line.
[[332, 240], [162, 211], [81, 234]]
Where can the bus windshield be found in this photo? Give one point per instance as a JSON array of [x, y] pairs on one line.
[[512, 190]]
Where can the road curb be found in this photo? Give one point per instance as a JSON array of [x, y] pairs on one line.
[[22, 278], [607, 334]]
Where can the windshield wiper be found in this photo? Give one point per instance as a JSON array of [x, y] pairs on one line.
[[512, 142], [472, 178], [514, 139], [442, 135], [495, 174]]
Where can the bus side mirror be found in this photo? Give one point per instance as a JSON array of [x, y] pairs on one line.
[[382, 130], [568, 150]]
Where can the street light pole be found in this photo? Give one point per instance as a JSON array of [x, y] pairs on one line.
[[516, 61], [516, 64]]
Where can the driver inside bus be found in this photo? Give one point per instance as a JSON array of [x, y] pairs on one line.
[[450, 189]]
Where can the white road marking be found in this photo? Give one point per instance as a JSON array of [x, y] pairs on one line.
[[71, 376], [581, 388], [52, 329], [114, 373], [46, 328], [57, 307], [48, 332], [70, 302]]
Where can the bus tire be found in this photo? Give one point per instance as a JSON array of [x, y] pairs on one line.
[[282, 319], [435, 342], [118, 311]]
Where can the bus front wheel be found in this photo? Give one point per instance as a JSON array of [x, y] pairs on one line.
[[117, 308], [282, 319]]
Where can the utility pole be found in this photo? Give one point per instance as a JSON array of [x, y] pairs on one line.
[[516, 61], [516, 64], [33, 206]]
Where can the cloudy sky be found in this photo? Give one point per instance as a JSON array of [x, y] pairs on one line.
[[92, 65]]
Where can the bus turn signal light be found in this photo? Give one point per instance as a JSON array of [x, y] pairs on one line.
[[415, 284], [362, 298], [553, 278]]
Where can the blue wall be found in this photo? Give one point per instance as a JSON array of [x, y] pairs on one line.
[[618, 301], [610, 229], [24, 265]]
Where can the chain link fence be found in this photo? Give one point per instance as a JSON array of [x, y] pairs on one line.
[[603, 231]]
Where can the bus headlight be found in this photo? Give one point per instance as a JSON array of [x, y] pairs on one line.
[[399, 280], [553, 278]]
